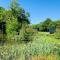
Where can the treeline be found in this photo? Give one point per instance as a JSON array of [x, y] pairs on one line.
[[47, 26], [15, 24]]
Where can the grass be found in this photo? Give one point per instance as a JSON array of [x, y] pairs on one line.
[[51, 57], [50, 38], [44, 44], [43, 47]]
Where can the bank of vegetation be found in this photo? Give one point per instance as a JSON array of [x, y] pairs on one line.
[[21, 40]]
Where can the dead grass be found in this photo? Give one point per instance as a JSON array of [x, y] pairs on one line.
[[51, 57]]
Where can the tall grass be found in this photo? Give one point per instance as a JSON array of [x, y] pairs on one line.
[[38, 48]]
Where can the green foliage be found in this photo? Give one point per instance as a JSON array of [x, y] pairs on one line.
[[29, 33], [2, 16], [26, 34], [47, 26], [52, 27], [17, 29], [42, 45], [19, 12], [57, 33], [11, 24], [16, 19]]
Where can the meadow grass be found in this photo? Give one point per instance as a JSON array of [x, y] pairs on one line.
[[43, 47]]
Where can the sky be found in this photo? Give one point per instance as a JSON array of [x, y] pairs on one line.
[[39, 9]]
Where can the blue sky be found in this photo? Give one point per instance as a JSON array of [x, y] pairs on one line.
[[39, 9]]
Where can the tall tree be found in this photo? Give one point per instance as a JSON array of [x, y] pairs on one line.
[[17, 19]]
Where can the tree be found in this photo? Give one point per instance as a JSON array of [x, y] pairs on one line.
[[52, 27], [2, 10], [11, 24], [2, 20], [19, 12], [17, 20], [46, 24]]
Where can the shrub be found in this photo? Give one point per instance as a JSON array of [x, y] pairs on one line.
[[29, 34]]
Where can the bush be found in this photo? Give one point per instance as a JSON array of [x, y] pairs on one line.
[[29, 34]]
